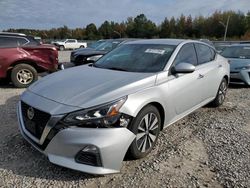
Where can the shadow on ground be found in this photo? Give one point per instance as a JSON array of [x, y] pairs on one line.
[[238, 86]]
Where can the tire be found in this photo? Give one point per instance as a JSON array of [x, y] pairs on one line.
[[145, 138], [221, 94], [23, 75], [61, 48], [82, 46]]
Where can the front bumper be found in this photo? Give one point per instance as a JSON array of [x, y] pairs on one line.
[[241, 76], [64, 146]]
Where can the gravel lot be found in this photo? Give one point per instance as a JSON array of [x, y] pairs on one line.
[[209, 148]]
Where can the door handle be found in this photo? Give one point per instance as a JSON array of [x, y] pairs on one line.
[[219, 66], [200, 76]]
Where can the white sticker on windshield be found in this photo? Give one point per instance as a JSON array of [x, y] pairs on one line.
[[155, 51], [246, 48]]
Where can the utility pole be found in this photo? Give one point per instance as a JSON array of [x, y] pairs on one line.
[[226, 27]]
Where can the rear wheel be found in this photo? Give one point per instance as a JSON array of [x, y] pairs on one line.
[[22, 75], [146, 126], [221, 94]]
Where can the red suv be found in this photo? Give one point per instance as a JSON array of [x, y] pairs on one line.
[[22, 57]]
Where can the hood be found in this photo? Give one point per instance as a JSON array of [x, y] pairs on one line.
[[238, 63], [86, 86], [88, 52]]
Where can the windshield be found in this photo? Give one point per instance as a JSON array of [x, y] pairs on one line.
[[108, 45], [242, 52], [137, 58], [96, 44]]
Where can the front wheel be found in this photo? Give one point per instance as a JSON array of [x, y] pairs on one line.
[[146, 126], [22, 75], [61, 48], [221, 94]]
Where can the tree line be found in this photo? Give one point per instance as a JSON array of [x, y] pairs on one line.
[[211, 27]]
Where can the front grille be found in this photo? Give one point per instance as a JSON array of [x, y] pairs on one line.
[[37, 123]]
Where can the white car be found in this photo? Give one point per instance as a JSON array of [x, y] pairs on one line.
[[88, 117], [70, 44]]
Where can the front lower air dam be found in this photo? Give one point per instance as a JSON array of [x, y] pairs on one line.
[[111, 143]]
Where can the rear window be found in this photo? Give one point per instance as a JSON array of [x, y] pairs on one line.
[[71, 41], [32, 41], [8, 42], [242, 52], [13, 41]]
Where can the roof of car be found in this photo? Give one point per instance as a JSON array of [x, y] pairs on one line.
[[158, 41], [12, 34], [245, 44]]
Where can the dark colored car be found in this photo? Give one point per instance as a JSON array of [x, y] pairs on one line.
[[239, 58], [90, 55], [95, 44], [22, 58]]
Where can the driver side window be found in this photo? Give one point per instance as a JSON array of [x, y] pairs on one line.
[[186, 54]]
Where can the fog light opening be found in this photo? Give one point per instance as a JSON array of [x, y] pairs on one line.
[[89, 155], [124, 121]]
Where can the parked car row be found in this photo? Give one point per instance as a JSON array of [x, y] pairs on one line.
[[237, 54], [89, 117], [95, 52]]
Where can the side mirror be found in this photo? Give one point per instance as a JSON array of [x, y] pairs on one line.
[[183, 68]]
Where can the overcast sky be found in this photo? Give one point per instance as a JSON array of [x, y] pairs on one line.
[[43, 14]]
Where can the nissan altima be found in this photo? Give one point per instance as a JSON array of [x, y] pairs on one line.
[[88, 117]]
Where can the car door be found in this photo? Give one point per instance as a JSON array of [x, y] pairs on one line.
[[184, 89], [208, 69], [69, 44], [73, 44]]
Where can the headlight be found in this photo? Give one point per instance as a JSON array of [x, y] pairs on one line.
[[94, 58], [106, 115]]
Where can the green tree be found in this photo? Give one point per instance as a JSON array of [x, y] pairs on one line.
[[172, 26], [180, 26], [189, 26], [105, 30], [247, 21], [92, 32], [164, 30], [141, 27]]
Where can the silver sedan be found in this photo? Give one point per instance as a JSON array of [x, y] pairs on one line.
[[87, 118]]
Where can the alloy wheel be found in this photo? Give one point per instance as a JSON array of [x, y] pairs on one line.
[[222, 92], [24, 76], [147, 132]]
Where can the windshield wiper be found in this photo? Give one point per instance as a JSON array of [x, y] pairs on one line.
[[116, 68], [110, 68]]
